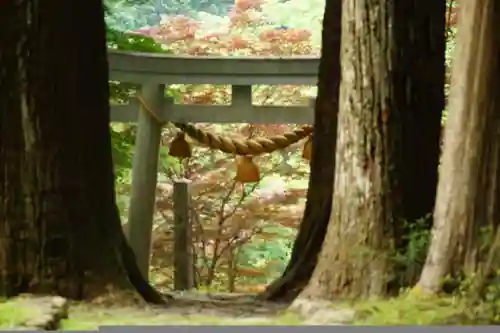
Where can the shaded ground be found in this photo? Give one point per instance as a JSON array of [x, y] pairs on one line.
[[188, 309], [36, 313], [90, 318]]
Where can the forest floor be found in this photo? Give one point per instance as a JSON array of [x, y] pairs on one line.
[[43, 313], [55, 313]]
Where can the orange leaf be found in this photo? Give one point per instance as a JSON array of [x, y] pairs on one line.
[[250, 272]]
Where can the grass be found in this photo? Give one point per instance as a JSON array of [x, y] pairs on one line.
[[12, 315]]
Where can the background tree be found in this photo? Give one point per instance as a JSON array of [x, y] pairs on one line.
[[69, 239], [317, 213], [467, 196], [383, 98]]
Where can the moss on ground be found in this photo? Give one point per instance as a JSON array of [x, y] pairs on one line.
[[410, 309], [12, 315]]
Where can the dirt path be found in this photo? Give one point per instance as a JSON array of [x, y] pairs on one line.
[[184, 309]]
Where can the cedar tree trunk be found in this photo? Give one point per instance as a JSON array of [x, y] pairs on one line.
[[11, 150], [467, 194], [68, 240], [319, 196], [383, 82]]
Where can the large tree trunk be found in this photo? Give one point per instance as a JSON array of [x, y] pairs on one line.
[[380, 117], [317, 213], [11, 150], [416, 150], [70, 236], [467, 194]]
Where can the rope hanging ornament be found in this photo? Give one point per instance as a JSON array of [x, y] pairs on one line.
[[179, 147], [247, 171], [254, 147], [307, 150]]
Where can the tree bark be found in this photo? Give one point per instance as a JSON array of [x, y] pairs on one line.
[[71, 239], [317, 213], [467, 194], [11, 148], [377, 146]]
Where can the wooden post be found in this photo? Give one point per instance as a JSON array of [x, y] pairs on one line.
[[183, 258], [144, 177], [312, 102]]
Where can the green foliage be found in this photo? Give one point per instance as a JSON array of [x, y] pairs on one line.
[[134, 14], [133, 42], [410, 260], [122, 140], [269, 254]]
